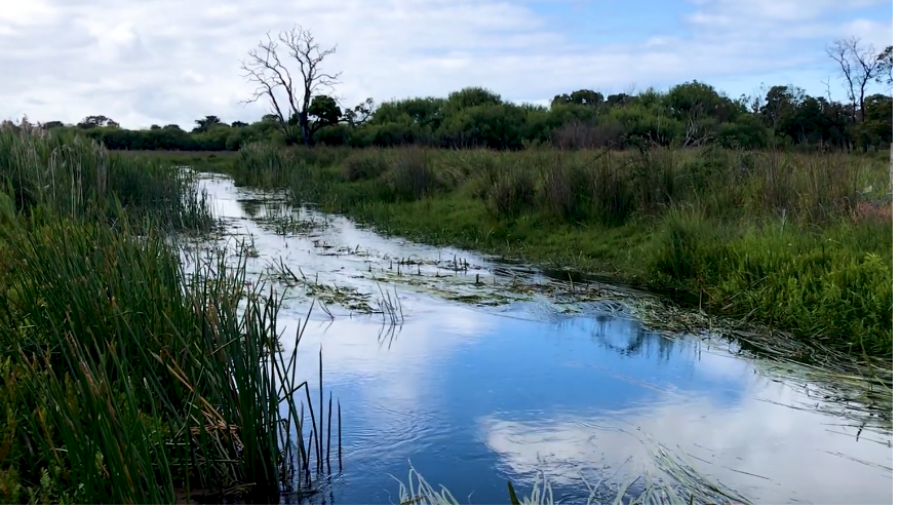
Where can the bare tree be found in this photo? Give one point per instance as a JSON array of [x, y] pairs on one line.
[[265, 67], [859, 66]]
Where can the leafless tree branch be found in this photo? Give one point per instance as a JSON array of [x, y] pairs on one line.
[[859, 66], [265, 67]]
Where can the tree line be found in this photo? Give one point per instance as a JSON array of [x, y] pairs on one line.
[[692, 114]]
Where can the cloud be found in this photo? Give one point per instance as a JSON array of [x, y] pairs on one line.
[[163, 61], [760, 448]]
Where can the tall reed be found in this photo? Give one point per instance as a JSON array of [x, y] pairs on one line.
[[126, 378], [77, 177]]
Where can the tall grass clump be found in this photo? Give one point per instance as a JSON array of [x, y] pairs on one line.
[[364, 165], [815, 188], [262, 165], [833, 285], [127, 380], [511, 193], [78, 177], [412, 175]]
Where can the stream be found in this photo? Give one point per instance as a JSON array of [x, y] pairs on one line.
[[485, 373]]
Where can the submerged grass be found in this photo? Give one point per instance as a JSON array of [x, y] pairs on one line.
[[678, 482], [785, 240], [125, 378]]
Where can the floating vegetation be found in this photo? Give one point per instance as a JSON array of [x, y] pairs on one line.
[[349, 297], [285, 223]]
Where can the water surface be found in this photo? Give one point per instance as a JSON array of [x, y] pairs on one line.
[[479, 386]]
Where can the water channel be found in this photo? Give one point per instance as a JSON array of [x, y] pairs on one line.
[[488, 376]]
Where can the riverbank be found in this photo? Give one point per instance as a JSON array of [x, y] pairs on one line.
[[797, 242], [126, 379]]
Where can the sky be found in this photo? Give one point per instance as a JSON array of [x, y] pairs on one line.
[[143, 62]]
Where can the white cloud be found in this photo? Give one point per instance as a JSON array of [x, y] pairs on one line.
[[163, 61], [797, 456]]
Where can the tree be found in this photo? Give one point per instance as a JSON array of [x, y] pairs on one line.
[[204, 124], [886, 65], [470, 97], [323, 110], [93, 121], [360, 113], [581, 98], [619, 99], [780, 102], [859, 66], [267, 69], [238, 123]]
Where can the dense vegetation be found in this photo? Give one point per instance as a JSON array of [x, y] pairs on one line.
[[124, 378], [688, 115], [127, 379], [798, 241]]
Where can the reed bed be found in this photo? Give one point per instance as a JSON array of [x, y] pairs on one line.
[[126, 379]]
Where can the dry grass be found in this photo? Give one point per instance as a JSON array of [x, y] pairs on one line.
[[868, 211]]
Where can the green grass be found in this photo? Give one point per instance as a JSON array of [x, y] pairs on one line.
[[199, 161], [784, 240], [125, 378]]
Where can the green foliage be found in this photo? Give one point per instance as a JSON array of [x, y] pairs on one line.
[[511, 192], [691, 114], [364, 166], [781, 238], [826, 285], [885, 63], [412, 176], [76, 177], [125, 378]]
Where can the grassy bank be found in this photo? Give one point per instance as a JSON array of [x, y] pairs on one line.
[[124, 378], [795, 241]]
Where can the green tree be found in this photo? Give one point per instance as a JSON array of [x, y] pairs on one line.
[[359, 114], [780, 101], [427, 112], [470, 97], [886, 65], [204, 124], [587, 98], [92, 122]]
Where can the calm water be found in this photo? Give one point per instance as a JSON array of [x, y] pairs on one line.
[[475, 394]]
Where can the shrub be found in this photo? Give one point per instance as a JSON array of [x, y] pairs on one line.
[[364, 165], [512, 193], [412, 176]]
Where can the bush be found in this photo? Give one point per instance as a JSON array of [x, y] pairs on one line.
[[512, 193], [412, 176], [364, 165]]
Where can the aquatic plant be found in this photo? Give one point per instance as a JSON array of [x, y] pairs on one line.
[[127, 379]]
